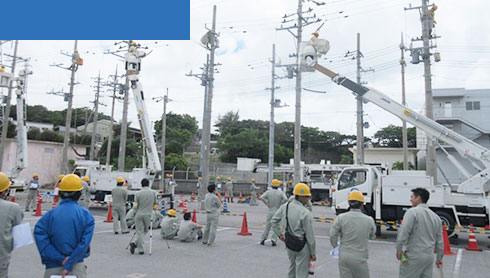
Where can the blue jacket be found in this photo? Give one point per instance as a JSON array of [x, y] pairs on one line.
[[64, 231]]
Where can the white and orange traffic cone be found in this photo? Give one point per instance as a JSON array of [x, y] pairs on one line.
[[39, 202], [12, 195], [109, 214], [181, 202], [193, 196], [472, 243], [186, 207]]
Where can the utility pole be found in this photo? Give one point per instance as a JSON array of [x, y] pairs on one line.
[[73, 68], [96, 118], [424, 51], [7, 108], [302, 21], [165, 100], [404, 123], [109, 140], [271, 124]]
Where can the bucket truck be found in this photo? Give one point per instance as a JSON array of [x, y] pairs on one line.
[[387, 196]]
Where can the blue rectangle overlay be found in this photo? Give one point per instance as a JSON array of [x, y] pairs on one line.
[[95, 19]]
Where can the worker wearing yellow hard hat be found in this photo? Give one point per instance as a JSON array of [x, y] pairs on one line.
[[63, 234], [32, 190], [119, 199], [198, 188], [298, 236], [273, 199], [87, 191], [219, 185], [145, 201], [229, 189], [355, 229], [10, 216], [253, 193], [188, 230], [212, 205], [170, 225]]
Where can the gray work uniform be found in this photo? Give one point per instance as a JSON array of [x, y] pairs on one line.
[[301, 226], [253, 194], [273, 198], [354, 229], [170, 227], [419, 234], [156, 218], [119, 199], [84, 200], [188, 230], [212, 205], [229, 189], [32, 194], [144, 201], [10, 215], [130, 217], [308, 205]]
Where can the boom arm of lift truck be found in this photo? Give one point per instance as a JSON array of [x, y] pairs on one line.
[[464, 146], [133, 67]]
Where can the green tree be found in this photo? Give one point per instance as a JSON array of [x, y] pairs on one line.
[[391, 136], [11, 132], [399, 166], [180, 131], [346, 159], [175, 160], [34, 134], [52, 136]]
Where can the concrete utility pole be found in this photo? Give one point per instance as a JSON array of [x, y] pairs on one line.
[[360, 112], [271, 124], [109, 140], [404, 123], [74, 67], [427, 25], [96, 118], [165, 100], [7, 108]]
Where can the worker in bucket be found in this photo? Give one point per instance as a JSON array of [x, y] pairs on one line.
[[10, 216], [63, 234], [32, 190], [170, 225], [229, 189], [212, 205], [253, 193], [86, 191], [354, 229], [273, 199], [298, 236], [145, 201], [119, 199], [188, 230], [419, 237]]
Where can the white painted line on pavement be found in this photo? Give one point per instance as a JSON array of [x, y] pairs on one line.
[[224, 229], [457, 264], [103, 232]]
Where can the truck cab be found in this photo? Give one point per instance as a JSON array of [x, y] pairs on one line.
[[361, 178]]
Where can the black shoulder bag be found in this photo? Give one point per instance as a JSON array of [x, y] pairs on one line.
[[293, 242]]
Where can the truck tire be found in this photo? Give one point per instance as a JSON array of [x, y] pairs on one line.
[[447, 220], [99, 196], [315, 196]]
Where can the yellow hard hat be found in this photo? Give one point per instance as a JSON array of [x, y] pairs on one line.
[[218, 178], [120, 179], [85, 178], [170, 176], [434, 7], [302, 189], [4, 182], [276, 182], [355, 195], [200, 179], [71, 183], [60, 177], [229, 178], [34, 175], [167, 175], [290, 181], [253, 180], [171, 212]]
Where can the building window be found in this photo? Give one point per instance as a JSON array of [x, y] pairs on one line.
[[48, 150], [472, 105]]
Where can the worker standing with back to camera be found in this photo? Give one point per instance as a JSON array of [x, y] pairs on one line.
[[273, 199], [119, 199]]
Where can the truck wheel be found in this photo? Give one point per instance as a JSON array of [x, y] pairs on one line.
[[99, 196], [447, 220]]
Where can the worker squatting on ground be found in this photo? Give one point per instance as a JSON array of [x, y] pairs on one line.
[[229, 189], [86, 192], [130, 217], [253, 193], [212, 205], [354, 229], [273, 199], [32, 189], [145, 201], [119, 199], [188, 230], [10, 215], [63, 234], [419, 237], [299, 236], [156, 218], [170, 225]]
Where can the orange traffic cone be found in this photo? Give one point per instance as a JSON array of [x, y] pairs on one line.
[[39, 202], [244, 231], [472, 243], [193, 196], [12, 199], [109, 214], [186, 207], [194, 218], [447, 246], [12, 195], [181, 202]]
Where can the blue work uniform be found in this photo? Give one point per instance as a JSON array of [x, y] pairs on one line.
[[65, 231]]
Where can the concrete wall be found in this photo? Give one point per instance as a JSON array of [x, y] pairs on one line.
[[44, 158], [385, 155]]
